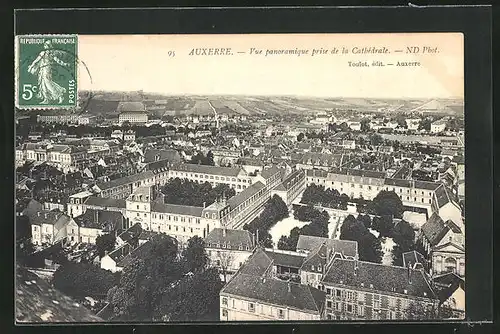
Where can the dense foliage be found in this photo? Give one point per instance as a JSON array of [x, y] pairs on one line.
[[369, 246], [316, 194], [318, 226], [195, 257], [105, 243], [159, 285], [187, 192], [201, 159], [83, 279], [274, 211], [387, 203]]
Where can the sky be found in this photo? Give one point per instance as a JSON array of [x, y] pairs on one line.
[[142, 62]]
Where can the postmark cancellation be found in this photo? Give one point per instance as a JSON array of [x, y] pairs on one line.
[[46, 71]]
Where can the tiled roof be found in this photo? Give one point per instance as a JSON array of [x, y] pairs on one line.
[[177, 209], [245, 194], [269, 172], [447, 284], [382, 277], [100, 219], [131, 233], [434, 229], [105, 202], [151, 155], [285, 259], [444, 196], [54, 217], [32, 208], [309, 243], [204, 169], [233, 239], [126, 180], [359, 172], [258, 264], [411, 184], [291, 179], [276, 292], [316, 173], [250, 162]]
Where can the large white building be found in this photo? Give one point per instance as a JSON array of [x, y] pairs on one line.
[[234, 177], [66, 157], [132, 112]]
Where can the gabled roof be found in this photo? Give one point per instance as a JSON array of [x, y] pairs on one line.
[[276, 292], [32, 208], [152, 155], [310, 243], [269, 172], [447, 284], [257, 264], [378, 277], [231, 239], [100, 219], [434, 229], [204, 169], [177, 209], [285, 259], [131, 233], [105, 202], [245, 194]]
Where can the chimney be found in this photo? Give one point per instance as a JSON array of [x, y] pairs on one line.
[[253, 239], [38, 213], [204, 204], [355, 267], [257, 232], [223, 231], [289, 286]]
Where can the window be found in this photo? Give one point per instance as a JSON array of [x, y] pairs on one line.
[[137, 214], [329, 304], [138, 207], [224, 301], [281, 314], [251, 307], [328, 291], [329, 316], [349, 308], [224, 312], [338, 293]]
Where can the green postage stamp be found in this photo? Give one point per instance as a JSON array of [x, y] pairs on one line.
[[46, 71]]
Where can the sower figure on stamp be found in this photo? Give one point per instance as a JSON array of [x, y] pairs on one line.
[[42, 66]]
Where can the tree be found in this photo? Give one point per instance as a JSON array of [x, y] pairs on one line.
[[283, 243], [388, 203], [369, 246], [417, 311], [209, 160], [366, 220], [145, 279], [375, 139], [105, 243], [83, 279], [194, 298], [404, 239], [300, 137], [425, 124], [194, 255], [226, 260], [445, 311]]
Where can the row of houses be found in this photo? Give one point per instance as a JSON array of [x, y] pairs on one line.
[[324, 280]]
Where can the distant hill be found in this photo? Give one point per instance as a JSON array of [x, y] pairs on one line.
[[158, 105]]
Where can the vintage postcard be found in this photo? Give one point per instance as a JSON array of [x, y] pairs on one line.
[[232, 178]]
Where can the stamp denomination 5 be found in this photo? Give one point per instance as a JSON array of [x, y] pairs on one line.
[[46, 72]]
